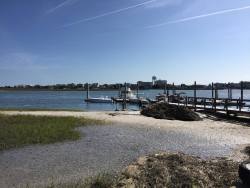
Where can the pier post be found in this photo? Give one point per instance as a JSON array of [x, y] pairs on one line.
[[167, 89], [120, 92], [228, 91], [226, 106], [241, 94], [230, 94], [87, 90], [138, 87], [195, 96], [242, 90], [205, 101], [125, 97], [216, 93], [124, 103], [212, 90], [215, 103], [216, 97], [173, 89]]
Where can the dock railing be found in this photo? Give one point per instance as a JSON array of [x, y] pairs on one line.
[[230, 106]]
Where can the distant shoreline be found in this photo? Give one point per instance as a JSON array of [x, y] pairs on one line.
[[8, 89], [21, 109], [84, 90]]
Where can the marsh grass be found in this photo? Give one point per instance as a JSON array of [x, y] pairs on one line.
[[21, 130]]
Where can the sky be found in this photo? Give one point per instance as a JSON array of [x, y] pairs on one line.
[[112, 41]]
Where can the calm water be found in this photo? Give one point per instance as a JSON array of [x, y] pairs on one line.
[[75, 99]]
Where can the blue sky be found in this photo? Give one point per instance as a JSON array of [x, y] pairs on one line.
[[58, 41]]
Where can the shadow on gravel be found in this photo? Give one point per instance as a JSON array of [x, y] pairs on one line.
[[227, 118]]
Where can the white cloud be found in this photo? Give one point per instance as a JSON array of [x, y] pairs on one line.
[[61, 5], [163, 3], [186, 19], [113, 12]]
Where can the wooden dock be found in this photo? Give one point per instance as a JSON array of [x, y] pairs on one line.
[[237, 107], [229, 106]]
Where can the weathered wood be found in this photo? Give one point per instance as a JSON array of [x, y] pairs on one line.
[[137, 92], [216, 105], [195, 99], [216, 93], [174, 92], [124, 104], [165, 87], [212, 90], [242, 91], [87, 90], [120, 91], [230, 94]]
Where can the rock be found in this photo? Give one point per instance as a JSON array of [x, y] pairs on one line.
[[247, 151], [179, 170], [244, 172], [142, 160], [170, 112], [132, 171], [126, 183]]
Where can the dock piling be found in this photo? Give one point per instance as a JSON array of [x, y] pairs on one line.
[[124, 104], [195, 99], [137, 91], [212, 90], [242, 90], [87, 90], [241, 94], [174, 92], [167, 88]]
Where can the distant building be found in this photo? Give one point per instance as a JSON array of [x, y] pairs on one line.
[[145, 85], [247, 85], [154, 78], [160, 83]]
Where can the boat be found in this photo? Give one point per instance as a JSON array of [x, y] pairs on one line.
[[126, 94], [99, 100]]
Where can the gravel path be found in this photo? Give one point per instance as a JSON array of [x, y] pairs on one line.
[[110, 148]]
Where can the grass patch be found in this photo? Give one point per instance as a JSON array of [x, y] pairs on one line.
[[21, 130]]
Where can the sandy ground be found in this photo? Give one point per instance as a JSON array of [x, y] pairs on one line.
[[113, 146], [240, 134]]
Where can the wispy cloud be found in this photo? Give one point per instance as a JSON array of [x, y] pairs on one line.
[[117, 11], [163, 3], [199, 16], [61, 5]]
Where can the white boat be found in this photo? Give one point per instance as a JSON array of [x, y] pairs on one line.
[[127, 93], [99, 100]]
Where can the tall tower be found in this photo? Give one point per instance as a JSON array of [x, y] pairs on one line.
[[154, 78]]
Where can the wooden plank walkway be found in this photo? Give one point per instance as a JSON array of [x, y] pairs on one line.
[[230, 106]]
